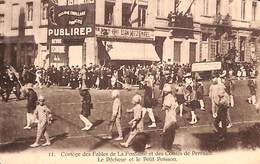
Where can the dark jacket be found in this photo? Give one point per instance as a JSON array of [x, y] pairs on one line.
[[31, 100], [86, 103], [148, 100]]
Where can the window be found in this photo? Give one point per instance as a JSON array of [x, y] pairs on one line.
[[142, 15], [70, 2], [109, 8], [230, 7], [29, 9], [205, 7], [15, 15], [218, 6], [44, 10], [160, 8], [126, 14], [2, 21], [177, 51], [254, 11], [243, 9]]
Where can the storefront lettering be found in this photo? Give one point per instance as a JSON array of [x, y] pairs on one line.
[[123, 33], [82, 31]]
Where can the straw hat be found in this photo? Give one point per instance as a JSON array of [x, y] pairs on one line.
[[167, 88]]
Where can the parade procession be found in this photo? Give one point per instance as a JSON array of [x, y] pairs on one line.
[[134, 75]]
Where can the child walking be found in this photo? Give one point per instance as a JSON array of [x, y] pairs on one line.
[[170, 122], [180, 91], [137, 124], [86, 107], [252, 89], [193, 104], [43, 113], [116, 116]]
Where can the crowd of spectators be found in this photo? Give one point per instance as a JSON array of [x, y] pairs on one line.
[[108, 77]]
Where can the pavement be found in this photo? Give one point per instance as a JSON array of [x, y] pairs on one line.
[[66, 131]]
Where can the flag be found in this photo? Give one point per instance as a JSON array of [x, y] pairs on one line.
[[134, 4], [177, 3], [189, 9], [184, 6]]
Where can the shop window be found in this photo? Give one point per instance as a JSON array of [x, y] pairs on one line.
[[141, 15], [15, 15], [44, 12], [2, 24], [254, 11], [243, 10], [109, 9], [29, 12], [126, 14]]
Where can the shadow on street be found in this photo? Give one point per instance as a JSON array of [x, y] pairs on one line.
[[247, 138], [21, 144]]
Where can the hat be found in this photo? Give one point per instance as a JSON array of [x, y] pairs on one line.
[[41, 98], [136, 99], [115, 93], [167, 88], [29, 86]]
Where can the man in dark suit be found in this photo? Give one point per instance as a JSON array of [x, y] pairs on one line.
[[32, 99]]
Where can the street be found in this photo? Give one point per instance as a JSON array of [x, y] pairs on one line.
[[66, 131]]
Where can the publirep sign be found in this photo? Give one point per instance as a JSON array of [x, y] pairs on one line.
[[72, 21], [74, 32]]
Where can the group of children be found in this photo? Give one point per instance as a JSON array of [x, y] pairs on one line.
[[189, 93], [137, 122]]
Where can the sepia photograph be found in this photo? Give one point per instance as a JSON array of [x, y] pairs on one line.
[[129, 81]]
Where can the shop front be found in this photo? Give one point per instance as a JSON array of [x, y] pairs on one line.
[[126, 45], [19, 50], [68, 30]]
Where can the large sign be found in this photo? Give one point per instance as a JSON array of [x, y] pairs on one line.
[[124, 33], [70, 21], [205, 66]]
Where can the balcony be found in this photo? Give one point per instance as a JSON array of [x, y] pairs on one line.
[[222, 20], [180, 20]]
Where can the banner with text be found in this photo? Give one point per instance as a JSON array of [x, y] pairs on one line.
[[70, 21]]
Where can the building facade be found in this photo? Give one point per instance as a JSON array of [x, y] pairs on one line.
[[173, 31]]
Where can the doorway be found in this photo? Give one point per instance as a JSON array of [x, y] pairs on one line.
[[192, 53], [75, 55]]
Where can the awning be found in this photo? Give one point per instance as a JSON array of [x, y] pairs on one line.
[[132, 51]]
